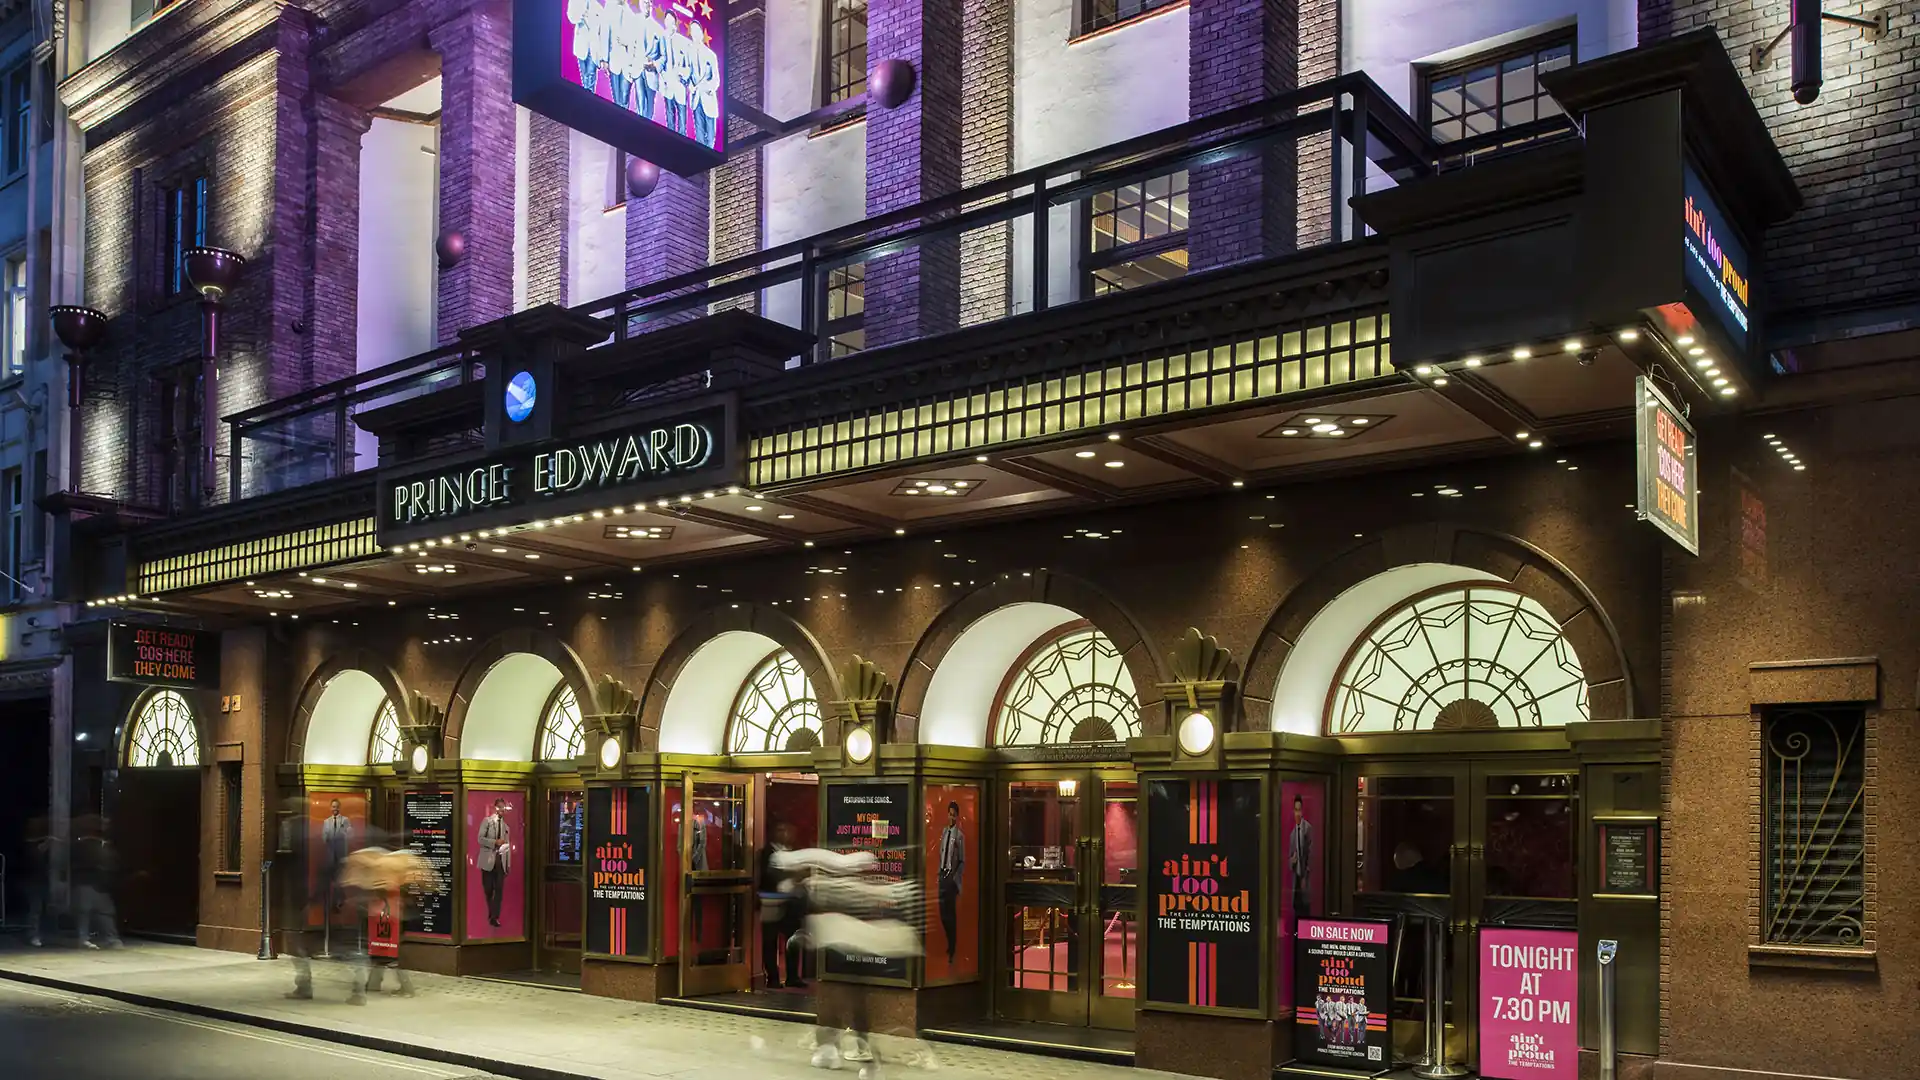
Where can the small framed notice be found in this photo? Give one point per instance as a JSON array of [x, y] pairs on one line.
[[1629, 858]]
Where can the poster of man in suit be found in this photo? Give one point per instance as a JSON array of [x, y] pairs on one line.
[[662, 60], [496, 864], [336, 827], [1303, 862], [951, 858]]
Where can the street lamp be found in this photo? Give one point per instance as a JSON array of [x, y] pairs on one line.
[[80, 329], [213, 273]]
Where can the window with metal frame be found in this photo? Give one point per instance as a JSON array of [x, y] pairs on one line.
[[231, 807], [1074, 687], [16, 315], [561, 735], [846, 327], [16, 532], [386, 744], [183, 209], [20, 131], [1473, 100], [1092, 16], [1813, 848], [843, 51], [775, 711], [164, 734], [1136, 234]]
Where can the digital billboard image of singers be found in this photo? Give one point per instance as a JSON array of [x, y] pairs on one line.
[[656, 60]]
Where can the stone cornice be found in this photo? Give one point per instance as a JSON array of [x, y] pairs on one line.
[[174, 44]]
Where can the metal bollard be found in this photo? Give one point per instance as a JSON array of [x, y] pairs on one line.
[[1609, 1049], [266, 915], [1436, 1067]]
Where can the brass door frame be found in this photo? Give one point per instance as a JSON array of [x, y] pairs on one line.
[[1086, 1006], [1467, 885], [701, 979]]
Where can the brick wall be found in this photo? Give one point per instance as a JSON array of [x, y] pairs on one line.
[[738, 187], [1855, 152], [476, 165], [1319, 61], [1241, 51], [986, 152], [334, 191], [549, 175], [913, 154]]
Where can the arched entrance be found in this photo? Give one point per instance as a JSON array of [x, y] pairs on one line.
[[1054, 696], [155, 831], [346, 731], [741, 705], [517, 724], [1458, 800]]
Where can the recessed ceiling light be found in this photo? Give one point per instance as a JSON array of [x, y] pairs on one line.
[[981, 458], [1721, 381], [755, 508], [1697, 350], [1441, 381], [1085, 454], [532, 555], [1799, 468], [1289, 431], [1572, 345], [1360, 421], [1685, 339], [1115, 464], [1423, 370], [1324, 428], [1473, 361], [1239, 483], [1726, 391], [899, 532], [1522, 353], [498, 550], [1311, 420], [1536, 444], [1337, 433], [786, 517], [1629, 334], [1519, 434], [1113, 436]]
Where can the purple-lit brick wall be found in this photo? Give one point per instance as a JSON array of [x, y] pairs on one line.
[[739, 188], [1319, 61], [476, 165], [986, 151], [913, 154], [1240, 51], [549, 172], [1855, 152], [333, 318]]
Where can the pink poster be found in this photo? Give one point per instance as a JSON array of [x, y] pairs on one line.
[[1529, 1004], [1303, 863], [497, 864]]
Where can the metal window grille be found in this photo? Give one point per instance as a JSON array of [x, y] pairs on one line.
[[1136, 234], [1494, 91], [843, 47], [1814, 855], [847, 309], [231, 806]]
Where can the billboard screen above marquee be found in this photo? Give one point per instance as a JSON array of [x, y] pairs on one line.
[[645, 76]]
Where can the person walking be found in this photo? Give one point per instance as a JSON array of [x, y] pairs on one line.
[[93, 868], [780, 914], [853, 911]]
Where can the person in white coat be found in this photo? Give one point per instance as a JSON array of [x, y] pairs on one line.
[[622, 44], [676, 85], [706, 102], [651, 59], [588, 19]]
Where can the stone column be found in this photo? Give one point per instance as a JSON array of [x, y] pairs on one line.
[[334, 321], [549, 206], [913, 154], [1241, 51], [476, 165]]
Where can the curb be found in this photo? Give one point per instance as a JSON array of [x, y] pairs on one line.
[[512, 1069]]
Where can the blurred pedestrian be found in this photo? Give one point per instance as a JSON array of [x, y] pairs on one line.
[[375, 881], [781, 911], [94, 865], [40, 862], [856, 912]]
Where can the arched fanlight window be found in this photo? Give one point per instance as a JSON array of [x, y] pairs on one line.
[[164, 733], [385, 746], [561, 736], [776, 711], [1460, 659], [1073, 688]]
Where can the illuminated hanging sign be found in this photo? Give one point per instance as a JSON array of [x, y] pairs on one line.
[[1668, 467], [1717, 267], [646, 76], [562, 476], [163, 656]]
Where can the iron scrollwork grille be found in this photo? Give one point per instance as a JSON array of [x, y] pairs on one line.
[[1814, 858], [385, 744], [561, 735]]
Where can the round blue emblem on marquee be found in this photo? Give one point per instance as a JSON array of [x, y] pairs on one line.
[[520, 395]]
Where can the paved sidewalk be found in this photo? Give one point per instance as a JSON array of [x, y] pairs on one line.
[[516, 1031]]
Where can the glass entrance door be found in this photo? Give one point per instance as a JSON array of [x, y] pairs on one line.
[[716, 897], [561, 901], [1450, 848], [1069, 879]]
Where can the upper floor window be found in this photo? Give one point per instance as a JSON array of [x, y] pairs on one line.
[[1814, 848], [184, 206], [16, 490], [1093, 15], [144, 10], [847, 309], [1136, 234], [1494, 90], [843, 51], [16, 330], [20, 130]]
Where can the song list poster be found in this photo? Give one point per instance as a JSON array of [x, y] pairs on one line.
[[870, 817], [429, 831], [1203, 890], [618, 829]]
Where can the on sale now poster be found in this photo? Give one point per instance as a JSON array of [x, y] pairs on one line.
[[1343, 992], [1529, 1004], [1203, 892]]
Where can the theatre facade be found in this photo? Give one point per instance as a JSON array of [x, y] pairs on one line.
[[1316, 663]]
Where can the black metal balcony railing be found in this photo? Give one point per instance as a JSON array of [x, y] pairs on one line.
[[1368, 139]]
